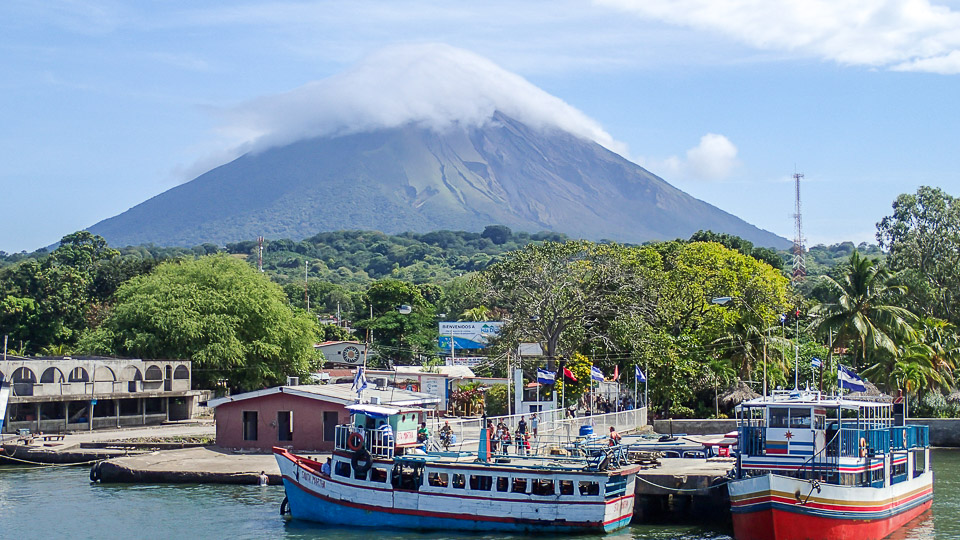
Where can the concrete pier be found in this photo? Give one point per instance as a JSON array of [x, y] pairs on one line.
[[192, 466], [681, 490]]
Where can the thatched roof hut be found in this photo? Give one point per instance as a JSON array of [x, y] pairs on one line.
[[736, 394], [872, 392]]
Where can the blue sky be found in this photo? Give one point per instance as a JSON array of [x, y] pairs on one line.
[[105, 104]]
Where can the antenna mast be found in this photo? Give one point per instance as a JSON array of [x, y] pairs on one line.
[[260, 253], [799, 266]]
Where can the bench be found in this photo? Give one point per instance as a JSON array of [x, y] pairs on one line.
[[54, 437]]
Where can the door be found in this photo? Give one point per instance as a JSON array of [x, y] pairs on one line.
[[330, 419], [284, 425]]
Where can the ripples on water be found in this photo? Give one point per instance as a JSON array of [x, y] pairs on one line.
[[61, 502]]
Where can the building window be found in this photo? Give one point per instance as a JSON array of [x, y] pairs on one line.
[[284, 425], [249, 425]]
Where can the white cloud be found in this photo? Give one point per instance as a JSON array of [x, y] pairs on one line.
[[433, 85], [897, 34], [715, 158]]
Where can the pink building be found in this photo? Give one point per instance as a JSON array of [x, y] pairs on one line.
[[302, 418]]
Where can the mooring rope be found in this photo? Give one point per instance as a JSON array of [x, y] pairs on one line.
[[681, 490], [43, 465]]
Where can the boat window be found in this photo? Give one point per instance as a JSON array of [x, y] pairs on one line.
[[503, 483], [566, 487], [589, 488], [459, 481], [819, 422], [800, 418], [779, 417], [519, 485], [919, 462], [436, 479], [378, 475], [481, 482], [342, 468], [543, 487]]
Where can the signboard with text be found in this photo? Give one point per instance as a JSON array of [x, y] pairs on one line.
[[468, 335]]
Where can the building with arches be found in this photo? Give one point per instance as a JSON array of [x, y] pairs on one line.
[[57, 394]]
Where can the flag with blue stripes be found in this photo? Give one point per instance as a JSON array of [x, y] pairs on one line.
[[546, 377], [640, 376], [359, 381], [596, 374], [816, 362], [849, 380]]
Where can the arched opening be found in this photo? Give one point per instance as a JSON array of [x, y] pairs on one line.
[[78, 374], [51, 375], [23, 380], [132, 375], [103, 373], [154, 374], [24, 375], [181, 373]]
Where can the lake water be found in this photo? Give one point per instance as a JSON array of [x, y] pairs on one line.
[[61, 502]]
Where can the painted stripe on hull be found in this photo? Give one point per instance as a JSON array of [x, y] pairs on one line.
[[314, 507], [775, 524]]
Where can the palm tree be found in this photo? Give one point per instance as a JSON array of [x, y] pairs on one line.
[[862, 316], [479, 313]]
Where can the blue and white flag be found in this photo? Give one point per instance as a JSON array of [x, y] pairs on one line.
[[783, 318], [596, 374], [359, 381], [640, 376], [849, 380], [816, 362], [546, 377]]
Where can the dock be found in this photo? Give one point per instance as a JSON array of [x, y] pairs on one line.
[[681, 488]]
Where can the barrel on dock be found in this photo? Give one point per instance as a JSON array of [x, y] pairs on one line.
[[586, 431]]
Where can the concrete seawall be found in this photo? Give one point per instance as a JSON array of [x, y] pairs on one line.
[[943, 431]]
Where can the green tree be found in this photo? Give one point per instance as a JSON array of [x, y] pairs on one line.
[[862, 315], [230, 320], [400, 336], [923, 238]]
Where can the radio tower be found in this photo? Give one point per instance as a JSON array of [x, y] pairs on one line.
[[799, 267]]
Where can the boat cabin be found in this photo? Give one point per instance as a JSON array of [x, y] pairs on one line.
[[838, 440]]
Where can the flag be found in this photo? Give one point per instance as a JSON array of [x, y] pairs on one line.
[[546, 377], [596, 374], [616, 373], [359, 381], [569, 374], [640, 376], [816, 362], [849, 380]]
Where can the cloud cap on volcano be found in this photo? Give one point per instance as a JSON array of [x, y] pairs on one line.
[[432, 85]]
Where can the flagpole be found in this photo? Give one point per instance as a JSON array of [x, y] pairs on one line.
[[646, 377]]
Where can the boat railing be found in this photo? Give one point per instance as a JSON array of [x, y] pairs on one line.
[[907, 437], [752, 441], [378, 442]]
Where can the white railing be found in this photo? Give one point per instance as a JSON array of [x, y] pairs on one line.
[[376, 441]]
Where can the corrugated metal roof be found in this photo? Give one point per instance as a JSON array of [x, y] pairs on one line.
[[342, 394]]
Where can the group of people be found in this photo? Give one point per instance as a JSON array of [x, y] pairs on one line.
[[501, 439]]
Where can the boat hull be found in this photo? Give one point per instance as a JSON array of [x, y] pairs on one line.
[[767, 508], [315, 497]]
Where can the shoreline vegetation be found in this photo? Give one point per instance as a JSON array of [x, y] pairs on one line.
[[887, 311]]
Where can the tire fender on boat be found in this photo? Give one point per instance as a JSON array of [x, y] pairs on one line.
[[362, 461], [284, 507]]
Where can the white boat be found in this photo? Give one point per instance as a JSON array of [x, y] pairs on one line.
[[378, 480], [815, 467]]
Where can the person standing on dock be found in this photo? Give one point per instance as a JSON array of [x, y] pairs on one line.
[[534, 422]]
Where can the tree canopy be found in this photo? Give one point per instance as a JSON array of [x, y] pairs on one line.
[[231, 321]]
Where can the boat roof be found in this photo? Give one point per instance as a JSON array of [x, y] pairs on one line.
[[513, 462], [379, 410], [782, 398]]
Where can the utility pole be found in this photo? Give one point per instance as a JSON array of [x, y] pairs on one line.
[[306, 290]]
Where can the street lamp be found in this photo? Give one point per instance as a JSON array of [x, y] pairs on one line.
[[722, 300]]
